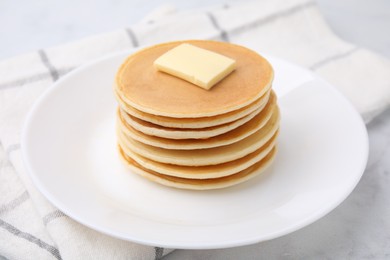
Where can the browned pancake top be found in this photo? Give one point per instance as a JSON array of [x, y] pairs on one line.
[[140, 84]]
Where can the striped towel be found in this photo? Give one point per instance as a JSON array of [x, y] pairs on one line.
[[32, 228]]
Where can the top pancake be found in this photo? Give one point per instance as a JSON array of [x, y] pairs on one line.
[[140, 85]]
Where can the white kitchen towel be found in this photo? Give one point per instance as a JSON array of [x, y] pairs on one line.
[[32, 228]]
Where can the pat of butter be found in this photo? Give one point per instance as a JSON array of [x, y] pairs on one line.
[[201, 67]]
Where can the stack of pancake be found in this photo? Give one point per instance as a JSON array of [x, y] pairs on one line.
[[177, 134]]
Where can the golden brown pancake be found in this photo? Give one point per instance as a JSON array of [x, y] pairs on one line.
[[208, 156], [199, 122], [185, 133], [140, 85], [202, 172], [230, 137], [177, 134], [200, 184]]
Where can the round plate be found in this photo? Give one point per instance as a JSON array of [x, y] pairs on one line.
[[69, 149]]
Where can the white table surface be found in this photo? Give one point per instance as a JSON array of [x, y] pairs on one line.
[[358, 229]]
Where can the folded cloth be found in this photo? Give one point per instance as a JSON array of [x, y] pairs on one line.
[[30, 227]]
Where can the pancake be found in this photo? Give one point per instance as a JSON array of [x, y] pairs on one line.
[[175, 133], [200, 122], [184, 133], [201, 184], [202, 172], [208, 156], [144, 88], [230, 137]]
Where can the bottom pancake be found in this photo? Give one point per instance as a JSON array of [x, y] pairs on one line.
[[200, 184]]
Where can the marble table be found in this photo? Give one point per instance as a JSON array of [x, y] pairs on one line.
[[359, 228]]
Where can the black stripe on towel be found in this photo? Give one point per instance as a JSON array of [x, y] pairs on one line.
[[133, 38], [52, 216], [14, 203], [33, 78], [45, 60], [28, 237], [223, 33]]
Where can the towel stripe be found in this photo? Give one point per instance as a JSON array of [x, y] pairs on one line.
[[33, 78], [275, 16], [45, 60], [23, 81], [159, 251], [133, 38], [327, 60], [52, 216], [12, 148], [13, 230], [223, 33], [14, 203]]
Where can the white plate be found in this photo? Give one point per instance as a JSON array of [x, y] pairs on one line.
[[69, 148]]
